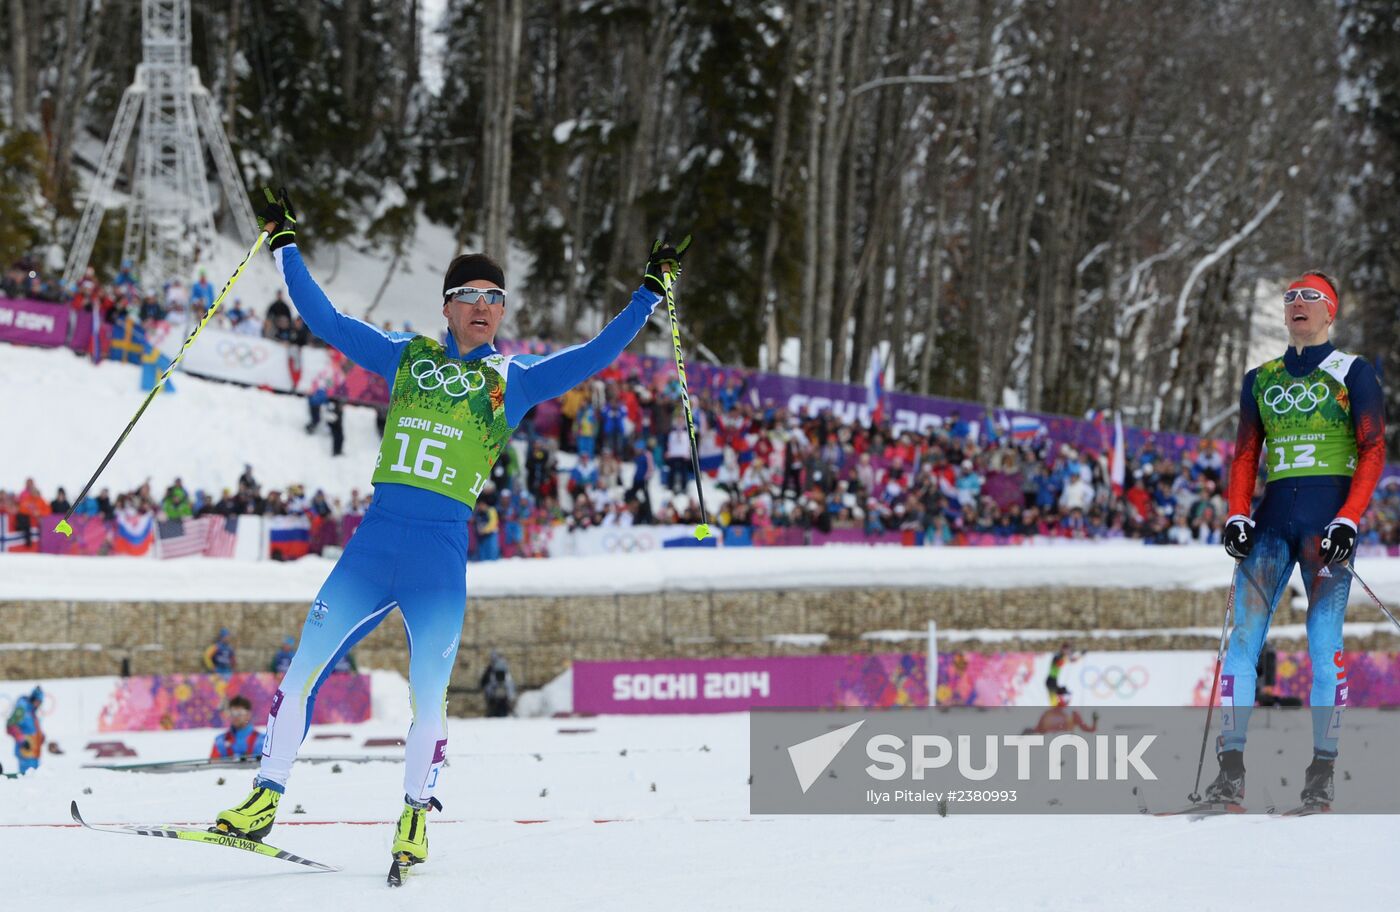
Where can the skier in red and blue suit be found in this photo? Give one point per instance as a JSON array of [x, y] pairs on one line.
[[1319, 414]]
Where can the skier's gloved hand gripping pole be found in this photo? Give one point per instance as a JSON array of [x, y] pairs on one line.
[[63, 526], [663, 269]]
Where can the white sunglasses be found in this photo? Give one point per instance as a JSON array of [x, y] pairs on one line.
[[466, 294]]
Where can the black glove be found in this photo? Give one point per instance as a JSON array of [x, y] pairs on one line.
[[1239, 537], [664, 254], [278, 210], [1338, 543]]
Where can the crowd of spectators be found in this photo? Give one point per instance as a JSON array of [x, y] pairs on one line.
[[621, 456], [774, 470], [173, 302]]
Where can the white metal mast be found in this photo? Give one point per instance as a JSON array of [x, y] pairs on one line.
[[170, 215]]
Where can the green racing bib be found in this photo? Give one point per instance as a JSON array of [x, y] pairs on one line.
[[446, 424], [1307, 420]]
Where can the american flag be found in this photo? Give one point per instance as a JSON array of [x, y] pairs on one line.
[[183, 537], [223, 535]]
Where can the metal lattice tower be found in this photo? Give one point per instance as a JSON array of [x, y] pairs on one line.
[[170, 216]]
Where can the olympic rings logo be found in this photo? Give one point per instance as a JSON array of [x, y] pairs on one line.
[[1113, 681], [449, 376], [627, 543], [241, 354], [1296, 395]]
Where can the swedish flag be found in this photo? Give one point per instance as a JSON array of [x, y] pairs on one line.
[[128, 341]]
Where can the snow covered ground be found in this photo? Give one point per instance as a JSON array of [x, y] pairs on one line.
[[42, 576], [681, 837]]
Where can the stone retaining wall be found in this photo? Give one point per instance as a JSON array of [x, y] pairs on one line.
[[540, 636]]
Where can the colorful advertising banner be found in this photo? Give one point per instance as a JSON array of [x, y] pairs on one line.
[[24, 322], [164, 702], [1094, 679], [736, 685]]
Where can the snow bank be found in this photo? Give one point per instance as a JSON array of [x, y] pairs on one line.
[[42, 576]]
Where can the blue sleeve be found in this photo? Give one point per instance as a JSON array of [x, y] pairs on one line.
[[220, 749], [258, 744], [531, 381], [368, 346]]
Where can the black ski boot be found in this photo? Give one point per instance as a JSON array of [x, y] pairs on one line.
[[1228, 787], [1317, 784]]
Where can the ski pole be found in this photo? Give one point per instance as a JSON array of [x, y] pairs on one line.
[[1215, 681], [702, 530], [63, 526], [1379, 603]]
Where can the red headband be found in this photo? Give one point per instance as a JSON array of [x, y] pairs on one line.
[[1320, 285]]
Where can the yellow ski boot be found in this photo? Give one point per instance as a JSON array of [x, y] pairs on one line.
[[253, 818], [411, 837]]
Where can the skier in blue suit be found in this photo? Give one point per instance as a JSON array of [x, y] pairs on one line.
[[452, 410]]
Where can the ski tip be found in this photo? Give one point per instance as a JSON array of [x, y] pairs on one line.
[[73, 809], [395, 878]]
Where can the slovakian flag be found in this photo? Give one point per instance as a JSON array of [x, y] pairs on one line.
[[288, 537], [135, 533], [875, 388], [1117, 463]]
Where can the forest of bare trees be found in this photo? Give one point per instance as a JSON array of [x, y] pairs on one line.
[[1075, 204]]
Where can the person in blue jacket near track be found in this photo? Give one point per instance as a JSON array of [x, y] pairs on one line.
[[23, 726], [452, 410], [240, 739]]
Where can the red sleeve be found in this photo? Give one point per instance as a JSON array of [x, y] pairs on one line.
[[1368, 416], [1249, 443]]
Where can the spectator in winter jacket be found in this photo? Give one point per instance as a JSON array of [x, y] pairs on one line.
[[240, 739], [219, 656], [176, 503], [32, 503], [282, 659], [498, 687], [23, 726]]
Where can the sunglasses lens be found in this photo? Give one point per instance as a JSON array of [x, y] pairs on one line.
[[472, 295]]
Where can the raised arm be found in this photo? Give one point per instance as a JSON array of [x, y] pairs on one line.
[[366, 345], [530, 382]]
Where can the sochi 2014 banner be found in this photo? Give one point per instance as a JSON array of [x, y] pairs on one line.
[[1139, 678], [737, 685], [25, 322]]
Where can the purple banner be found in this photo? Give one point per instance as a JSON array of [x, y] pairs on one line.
[[26, 322], [736, 685], [904, 411]]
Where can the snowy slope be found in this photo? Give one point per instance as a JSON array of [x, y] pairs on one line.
[[71, 411], [683, 839]]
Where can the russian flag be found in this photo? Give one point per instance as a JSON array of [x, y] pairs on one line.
[[288, 537], [1026, 427], [136, 532], [875, 388]]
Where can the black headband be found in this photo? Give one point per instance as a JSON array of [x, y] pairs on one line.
[[472, 266]]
